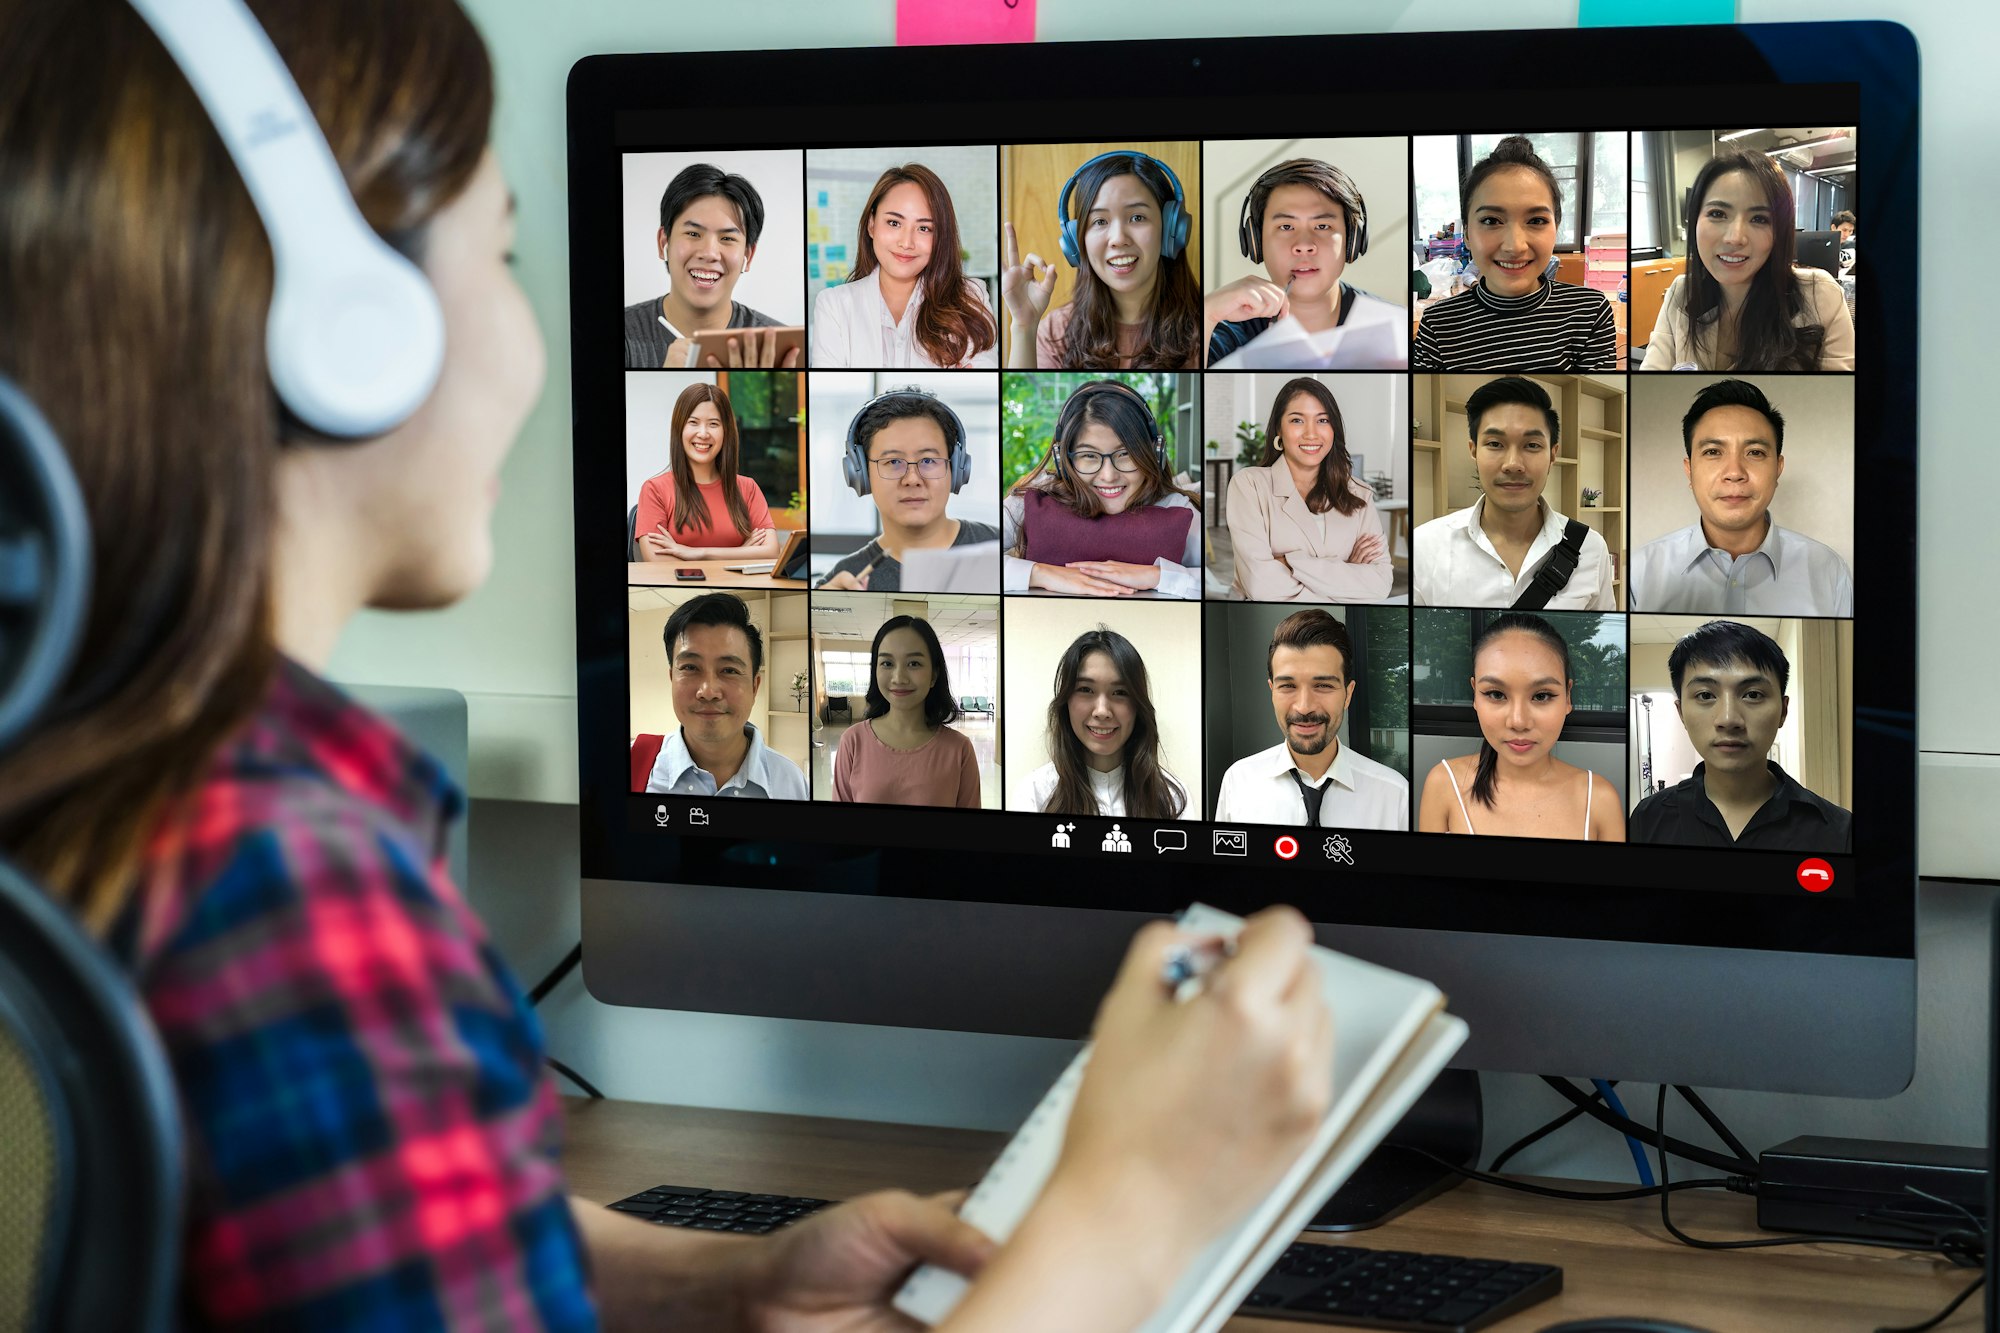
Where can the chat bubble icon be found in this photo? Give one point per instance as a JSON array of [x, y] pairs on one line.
[[1169, 839]]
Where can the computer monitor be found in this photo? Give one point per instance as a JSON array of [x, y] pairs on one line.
[[1820, 250], [1774, 965]]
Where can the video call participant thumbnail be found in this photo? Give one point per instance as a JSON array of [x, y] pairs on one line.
[[717, 657], [1304, 220], [1518, 317], [1729, 692], [1103, 737], [1735, 559], [908, 302], [1137, 305], [1309, 777], [1511, 548], [903, 752], [906, 450], [701, 507], [710, 220], [1100, 514], [1522, 690], [1744, 305], [1302, 526]]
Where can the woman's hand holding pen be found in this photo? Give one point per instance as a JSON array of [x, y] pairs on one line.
[[1027, 296]]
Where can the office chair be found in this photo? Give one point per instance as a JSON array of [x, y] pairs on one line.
[[90, 1144], [632, 534]]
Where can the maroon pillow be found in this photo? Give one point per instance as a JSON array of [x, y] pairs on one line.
[[1053, 535]]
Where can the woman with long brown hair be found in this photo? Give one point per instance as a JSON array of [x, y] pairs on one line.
[[372, 1134], [908, 302], [701, 507], [1103, 738], [1100, 513], [1302, 526]]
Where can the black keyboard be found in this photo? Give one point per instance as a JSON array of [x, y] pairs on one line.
[[1325, 1284]]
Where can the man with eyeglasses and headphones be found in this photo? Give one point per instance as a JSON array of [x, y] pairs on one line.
[[906, 451]]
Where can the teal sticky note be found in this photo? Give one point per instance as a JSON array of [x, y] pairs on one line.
[[812, 271], [1652, 13], [812, 250], [822, 198], [836, 254]]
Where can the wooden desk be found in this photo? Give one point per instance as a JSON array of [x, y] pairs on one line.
[[1616, 1259], [660, 574]]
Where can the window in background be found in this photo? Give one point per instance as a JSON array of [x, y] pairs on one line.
[[1434, 183], [846, 673], [1645, 225], [1385, 685], [1565, 154], [1607, 183], [769, 422]]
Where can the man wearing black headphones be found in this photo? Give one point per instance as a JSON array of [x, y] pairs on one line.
[[906, 451], [1304, 221]]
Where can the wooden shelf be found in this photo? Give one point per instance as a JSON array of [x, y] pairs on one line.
[[1600, 433], [1425, 444], [1599, 509]]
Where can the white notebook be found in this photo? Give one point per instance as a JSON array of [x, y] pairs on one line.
[[1391, 1038]]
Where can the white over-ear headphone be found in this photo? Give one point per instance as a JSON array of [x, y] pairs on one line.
[[356, 337]]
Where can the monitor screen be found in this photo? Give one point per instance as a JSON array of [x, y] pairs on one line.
[[1108, 476]]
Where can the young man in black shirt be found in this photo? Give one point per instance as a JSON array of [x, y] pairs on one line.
[[1729, 689]]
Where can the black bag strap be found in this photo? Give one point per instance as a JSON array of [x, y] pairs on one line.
[[1556, 569]]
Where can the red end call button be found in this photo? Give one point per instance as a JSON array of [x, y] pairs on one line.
[[1815, 875], [1286, 847]]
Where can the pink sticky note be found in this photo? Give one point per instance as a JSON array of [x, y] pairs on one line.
[[949, 22]]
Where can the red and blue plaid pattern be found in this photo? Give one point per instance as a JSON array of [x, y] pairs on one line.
[[373, 1135]]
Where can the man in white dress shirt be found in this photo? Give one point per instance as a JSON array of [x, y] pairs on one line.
[[1735, 559], [1511, 549], [1310, 779]]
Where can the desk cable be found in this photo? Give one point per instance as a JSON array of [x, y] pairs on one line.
[[540, 993]]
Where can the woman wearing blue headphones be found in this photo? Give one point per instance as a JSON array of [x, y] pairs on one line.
[[1137, 304], [373, 1138]]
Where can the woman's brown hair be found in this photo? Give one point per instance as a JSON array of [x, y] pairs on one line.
[[1331, 488], [690, 510], [1107, 403], [1150, 791], [137, 279], [951, 324]]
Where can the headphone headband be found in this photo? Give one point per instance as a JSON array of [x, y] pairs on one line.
[[1175, 223], [1250, 231], [355, 337]]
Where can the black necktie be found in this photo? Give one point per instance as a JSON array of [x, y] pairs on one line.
[[1311, 796]]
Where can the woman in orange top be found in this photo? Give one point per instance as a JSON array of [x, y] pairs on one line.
[[722, 516]]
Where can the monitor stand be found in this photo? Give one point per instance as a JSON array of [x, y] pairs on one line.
[[1446, 1120]]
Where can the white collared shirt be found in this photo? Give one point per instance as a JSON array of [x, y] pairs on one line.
[[764, 774], [852, 328], [1260, 789], [1789, 574], [1453, 563]]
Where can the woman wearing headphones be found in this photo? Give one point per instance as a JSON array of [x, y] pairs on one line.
[[901, 752], [1100, 514], [908, 302], [373, 1139], [1137, 304], [1305, 221], [701, 508]]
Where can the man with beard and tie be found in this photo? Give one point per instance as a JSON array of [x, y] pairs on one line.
[[1310, 778]]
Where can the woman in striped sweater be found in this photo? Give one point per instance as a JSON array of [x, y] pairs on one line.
[[1518, 317]]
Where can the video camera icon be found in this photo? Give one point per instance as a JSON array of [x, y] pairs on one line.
[[1231, 842]]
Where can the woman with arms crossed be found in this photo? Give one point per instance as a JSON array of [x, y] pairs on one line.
[[1743, 305], [1303, 528], [908, 302], [371, 1130], [1137, 305], [1521, 692], [1103, 738], [1100, 515], [700, 508], [901, 752]]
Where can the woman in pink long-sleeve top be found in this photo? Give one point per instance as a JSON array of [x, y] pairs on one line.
[[1303, 529], [901, 752]]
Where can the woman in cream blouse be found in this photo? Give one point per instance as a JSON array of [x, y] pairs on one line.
[[1303, 529]]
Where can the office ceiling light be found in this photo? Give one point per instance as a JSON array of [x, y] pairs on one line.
[[1736, 134], [1838, 136]]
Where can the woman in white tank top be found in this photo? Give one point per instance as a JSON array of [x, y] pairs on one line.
[[1521, 692]]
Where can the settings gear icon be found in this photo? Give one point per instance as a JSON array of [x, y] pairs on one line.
[[1338, 849]]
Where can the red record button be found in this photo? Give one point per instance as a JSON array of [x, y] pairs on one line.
[[1286, 847], [1815, 875]]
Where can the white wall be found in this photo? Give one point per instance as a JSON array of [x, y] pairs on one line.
[[773, 282], [1380, 170], [649, 423], [511, 647]]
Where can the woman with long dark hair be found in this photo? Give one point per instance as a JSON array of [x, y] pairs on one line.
[[1100, 514], [701, 507], [1302, 526], [1743, 305], [1103, 739], [1137, 304], [371, 1131], [902, 752], [908, 302], [1521, 692]]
